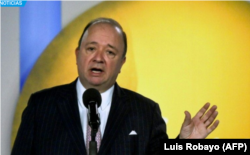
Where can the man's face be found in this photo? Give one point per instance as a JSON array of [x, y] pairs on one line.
[[100, 57]]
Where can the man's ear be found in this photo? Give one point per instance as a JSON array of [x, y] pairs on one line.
[[76, 53], [124, 60], [122, 63]]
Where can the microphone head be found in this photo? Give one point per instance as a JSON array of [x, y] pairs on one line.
[[91, 95]]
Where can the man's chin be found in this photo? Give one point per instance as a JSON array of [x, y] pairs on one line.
[[96, 85], [102, 87]]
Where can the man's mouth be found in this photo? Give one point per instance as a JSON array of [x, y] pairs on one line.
[[96, 70]]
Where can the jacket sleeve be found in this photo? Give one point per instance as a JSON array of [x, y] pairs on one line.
[[158, 132], [25, 135]]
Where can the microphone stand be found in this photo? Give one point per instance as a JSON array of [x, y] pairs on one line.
[[93, 143], [94, 123]]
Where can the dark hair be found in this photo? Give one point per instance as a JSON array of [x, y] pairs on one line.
[[105, 20]]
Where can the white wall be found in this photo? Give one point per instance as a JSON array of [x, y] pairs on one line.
[[10, 61], [9, 72]]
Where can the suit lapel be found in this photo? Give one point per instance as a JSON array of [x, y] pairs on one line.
[[118, 112], [68, 107]]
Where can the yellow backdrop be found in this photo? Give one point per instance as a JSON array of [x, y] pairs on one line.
[[180, 54]]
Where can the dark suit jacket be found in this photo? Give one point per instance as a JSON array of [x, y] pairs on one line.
[[51, 124]]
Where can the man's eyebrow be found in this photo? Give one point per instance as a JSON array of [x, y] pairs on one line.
[[112, 47], [95, 43]]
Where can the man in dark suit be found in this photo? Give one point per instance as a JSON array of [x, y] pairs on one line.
[[55, 120]]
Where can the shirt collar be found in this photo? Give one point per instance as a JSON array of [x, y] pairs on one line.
[[106, 96]]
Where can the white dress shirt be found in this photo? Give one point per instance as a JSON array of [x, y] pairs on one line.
[[103, 109]]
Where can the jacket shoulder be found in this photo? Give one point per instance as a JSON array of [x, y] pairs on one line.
[[138, 98], [54, 89], [53, 93]]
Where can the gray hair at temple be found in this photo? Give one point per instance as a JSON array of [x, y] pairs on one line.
[[105, 20]]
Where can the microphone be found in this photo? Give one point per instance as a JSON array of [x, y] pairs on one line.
[[92, 100]]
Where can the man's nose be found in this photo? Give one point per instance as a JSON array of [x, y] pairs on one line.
[[98, 57]]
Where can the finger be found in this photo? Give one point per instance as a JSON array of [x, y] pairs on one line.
[[201, 112], [213, 127], [211, 119], [187, 119], [209, 113]]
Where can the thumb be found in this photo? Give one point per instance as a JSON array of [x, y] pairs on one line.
[[187, 119]]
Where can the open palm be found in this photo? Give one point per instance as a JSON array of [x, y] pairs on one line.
[[201, 125]]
